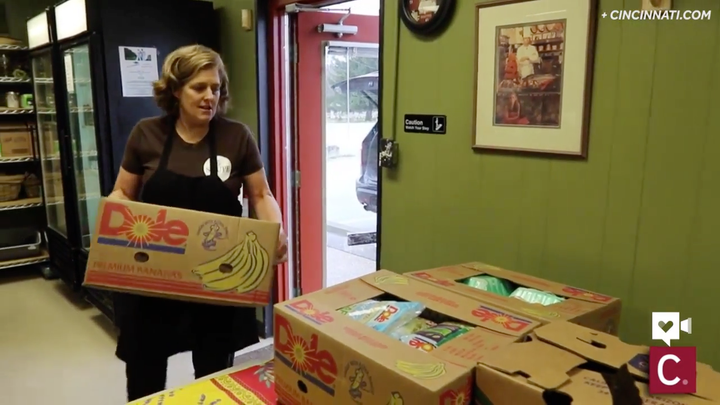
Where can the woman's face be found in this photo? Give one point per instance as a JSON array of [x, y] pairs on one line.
[[200, 95]]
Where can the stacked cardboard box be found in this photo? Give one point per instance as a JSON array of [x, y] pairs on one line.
[[323, 356], [15, 142], [594, 310], [564, 363], [519, 353]]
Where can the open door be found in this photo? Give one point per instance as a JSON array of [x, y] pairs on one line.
[[312, 48]]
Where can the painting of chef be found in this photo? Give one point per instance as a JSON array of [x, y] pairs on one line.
[[423, 11], [529, 71]]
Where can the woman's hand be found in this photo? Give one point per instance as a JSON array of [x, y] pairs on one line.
[[281, 255], [118, 195]]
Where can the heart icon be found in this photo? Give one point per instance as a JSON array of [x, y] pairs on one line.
[[665, 326]]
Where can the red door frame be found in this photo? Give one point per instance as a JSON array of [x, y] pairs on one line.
[[310, 112], [310, 222]]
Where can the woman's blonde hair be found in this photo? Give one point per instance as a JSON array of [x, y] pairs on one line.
[[180, 66]]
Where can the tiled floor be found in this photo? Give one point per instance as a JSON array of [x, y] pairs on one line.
[[56, 349], [346, 262], [343, 266]]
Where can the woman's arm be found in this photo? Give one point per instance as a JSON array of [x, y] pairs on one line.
[[266, 208], [127, 186], [129, 179], [261, 198]]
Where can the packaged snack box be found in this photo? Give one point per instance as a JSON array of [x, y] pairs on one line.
[[386, 339], [171, 252], [542, 300], [566, 363]]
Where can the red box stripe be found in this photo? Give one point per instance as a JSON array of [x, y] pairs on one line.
[[154, 285]]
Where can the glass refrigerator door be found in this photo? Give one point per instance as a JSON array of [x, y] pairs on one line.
[[49, 143], [84, 141]]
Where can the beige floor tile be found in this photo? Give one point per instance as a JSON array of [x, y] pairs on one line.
[[58, 350]]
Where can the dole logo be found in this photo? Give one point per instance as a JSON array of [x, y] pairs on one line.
[[420, 344], [462, 395], [120, 227], [507, 321], [425, 276], [305, 358], [307, 310], [386, 314], [580, 293]]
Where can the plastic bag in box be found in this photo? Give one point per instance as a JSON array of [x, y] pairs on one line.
[[431, 338], [383, 316], [408, 328], [533, 296], [490, 284]]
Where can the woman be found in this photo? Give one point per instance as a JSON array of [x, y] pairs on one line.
[[189, 158]]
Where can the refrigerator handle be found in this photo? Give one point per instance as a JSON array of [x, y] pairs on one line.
[[68, 162]]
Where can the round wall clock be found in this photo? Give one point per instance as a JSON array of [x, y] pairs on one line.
[[426, 17]]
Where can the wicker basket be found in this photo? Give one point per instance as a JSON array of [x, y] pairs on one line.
[[32, 186], [10, 187]]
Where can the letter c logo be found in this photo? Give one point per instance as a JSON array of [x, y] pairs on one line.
[[661, 368]]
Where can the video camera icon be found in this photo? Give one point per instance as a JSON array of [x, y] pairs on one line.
[[666, 326]]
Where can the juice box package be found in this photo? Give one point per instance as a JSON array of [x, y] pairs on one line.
[[542, 300], [565, 363], [253, 384], [386, 339], [170, 252]]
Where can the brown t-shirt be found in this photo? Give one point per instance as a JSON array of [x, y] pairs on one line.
[[237, 151]]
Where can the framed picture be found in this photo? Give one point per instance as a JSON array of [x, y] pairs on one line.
[[533, 75]]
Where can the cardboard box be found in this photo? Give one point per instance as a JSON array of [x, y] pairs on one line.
[[250, 384], [596, 311], [170, 252], [324, 357], [15, 142], [574, 362]]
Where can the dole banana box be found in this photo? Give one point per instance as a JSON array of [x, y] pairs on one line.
[[325, 357], [171, 252], [248, 384], [593, 310], [565, 363]]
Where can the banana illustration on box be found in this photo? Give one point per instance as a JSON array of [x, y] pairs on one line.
[[391, 279], [421, 371], [248, 264]]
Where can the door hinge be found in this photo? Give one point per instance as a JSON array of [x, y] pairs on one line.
[[296, 179]]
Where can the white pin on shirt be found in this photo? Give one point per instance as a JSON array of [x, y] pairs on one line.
[[224, 167]]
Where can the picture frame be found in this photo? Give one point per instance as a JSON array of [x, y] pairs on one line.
[[533, 76], [426, 17]]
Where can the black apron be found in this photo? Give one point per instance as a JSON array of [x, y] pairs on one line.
[[151, 327]]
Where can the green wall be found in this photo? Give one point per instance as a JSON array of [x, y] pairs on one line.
[[237, 47], [239, 54], [637, 220]]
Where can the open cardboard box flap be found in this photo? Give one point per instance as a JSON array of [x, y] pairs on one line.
[[569, 346], [454, 305], [544, 366], [592, 345], [538, 283], [611, 351]]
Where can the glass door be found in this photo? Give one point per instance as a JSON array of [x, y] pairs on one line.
[[82, 133], [47, 128]]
